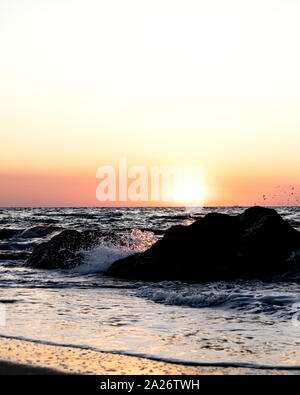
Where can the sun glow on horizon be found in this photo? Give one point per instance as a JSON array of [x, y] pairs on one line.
[[189, 193]]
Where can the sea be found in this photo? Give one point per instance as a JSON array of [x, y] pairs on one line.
[[236, 323]]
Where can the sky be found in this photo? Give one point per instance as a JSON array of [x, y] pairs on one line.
[[159, 82]]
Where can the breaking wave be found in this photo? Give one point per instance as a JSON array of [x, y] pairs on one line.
[[215, 295], [99, 258]]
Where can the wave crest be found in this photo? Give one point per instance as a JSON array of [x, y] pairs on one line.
[[100, 257]]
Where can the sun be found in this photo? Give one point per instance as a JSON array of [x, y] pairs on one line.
[[189, 193]]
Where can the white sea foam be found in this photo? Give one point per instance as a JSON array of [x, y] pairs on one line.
[[238, 300], [100, 258], [180, 299]]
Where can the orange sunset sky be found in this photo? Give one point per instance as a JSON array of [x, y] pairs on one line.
[[160, 82]]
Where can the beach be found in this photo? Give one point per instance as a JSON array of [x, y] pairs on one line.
[[26, 357]]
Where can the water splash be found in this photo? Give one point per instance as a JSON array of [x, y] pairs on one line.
[[99, 258]]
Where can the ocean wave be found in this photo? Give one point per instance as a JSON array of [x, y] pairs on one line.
[[38, 231], [100, 257], [8, 233], [13, 255], [180, 299], [18, 246], [243, 301]]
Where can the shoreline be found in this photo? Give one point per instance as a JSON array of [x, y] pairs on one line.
[[33, 358]]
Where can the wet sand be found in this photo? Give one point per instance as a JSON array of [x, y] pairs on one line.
[[25, 357]]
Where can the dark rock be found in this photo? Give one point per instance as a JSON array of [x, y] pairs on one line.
[[266, 241], [255, 244], [65, 249]]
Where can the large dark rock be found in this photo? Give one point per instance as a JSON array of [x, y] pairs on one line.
[[255, 244], [65, 250]]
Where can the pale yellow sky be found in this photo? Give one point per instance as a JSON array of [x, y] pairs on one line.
[[213, 83]]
